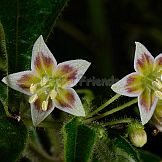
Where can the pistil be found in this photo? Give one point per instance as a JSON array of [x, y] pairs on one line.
[[44, 81]]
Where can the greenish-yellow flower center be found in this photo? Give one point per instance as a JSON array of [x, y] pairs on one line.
[[153, 81], [46, 87], [157, 85]]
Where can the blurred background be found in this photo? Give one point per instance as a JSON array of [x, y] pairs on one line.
[[103, 32]]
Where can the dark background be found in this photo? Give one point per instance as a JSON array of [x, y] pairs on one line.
[[103, 32]]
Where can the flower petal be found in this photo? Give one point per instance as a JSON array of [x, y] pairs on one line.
[[21, 81], [38, 115], [143, 61], [158, 63], [67, 100], [130, 85], [71, 72], [43, 61], [147, 103]]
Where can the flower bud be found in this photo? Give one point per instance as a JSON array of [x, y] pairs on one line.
[[137, 134]]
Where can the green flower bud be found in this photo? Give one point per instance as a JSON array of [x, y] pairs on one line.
[[137, 134]]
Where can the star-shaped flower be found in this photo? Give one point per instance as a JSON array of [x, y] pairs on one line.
[[143, 83], [49, 85]]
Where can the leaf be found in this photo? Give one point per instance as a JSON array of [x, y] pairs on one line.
[[3, 96], [3, 52], [2, 112], [114, 149], [23, 22], [3, 70], [124, 151], [13, 135], [79, 140]]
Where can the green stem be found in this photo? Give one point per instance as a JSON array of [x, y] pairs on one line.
[[104, 105], [115, 122], [7, 112], [113, 110], [4, 65]]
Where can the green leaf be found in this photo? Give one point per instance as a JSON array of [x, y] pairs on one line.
[[3, 52], [13, 135], [116, 149], [2, 112], [24, 21], [3, 97], [124, 151], [78, 141], [3, 71]]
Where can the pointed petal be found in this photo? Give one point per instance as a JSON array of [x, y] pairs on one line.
[[43, 61], [147, 103], [130, 85], [67, 100], [71, 72], [21, 81], [158, 63], [38, 115], [143, 61]]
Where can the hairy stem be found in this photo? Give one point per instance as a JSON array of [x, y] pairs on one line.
[[104, 105], [115, 122], [113, 110]]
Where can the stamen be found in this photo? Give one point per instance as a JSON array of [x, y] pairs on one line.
[[158, 94], [44, 105], [44, 81], [53, 94], [33, 98], [33, 88], [157, 84]]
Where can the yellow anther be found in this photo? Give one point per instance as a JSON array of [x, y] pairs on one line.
[[33, 88], [44, 81], [33, 98], [158, 94], [53, 94], [157, 84], [44, 105]]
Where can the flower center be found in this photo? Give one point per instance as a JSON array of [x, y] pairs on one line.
[[47, 88]]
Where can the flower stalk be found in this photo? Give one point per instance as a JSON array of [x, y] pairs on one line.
[[115, 122], [104, 105], [112, 111]]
